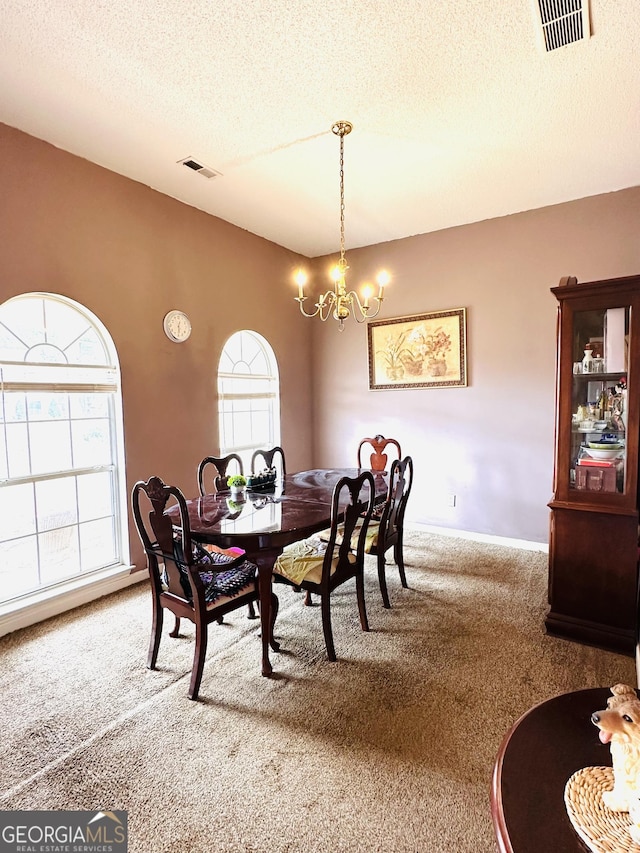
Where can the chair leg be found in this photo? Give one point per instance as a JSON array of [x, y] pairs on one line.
[[176, 628], [326, 626], [397, 553], [156, 634], [252, 612], [275, 605], [382, 580], [198, 660], [308, 601], [362, 607]]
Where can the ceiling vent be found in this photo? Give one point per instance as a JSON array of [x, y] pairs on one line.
[[563, 22], [205, 171]]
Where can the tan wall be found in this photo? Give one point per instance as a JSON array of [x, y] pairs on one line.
[[130, 254], [490, 444]]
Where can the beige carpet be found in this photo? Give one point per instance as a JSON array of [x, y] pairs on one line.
[[391, 748]]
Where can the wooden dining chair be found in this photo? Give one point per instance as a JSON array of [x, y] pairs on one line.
[[319, 566], [378, 459], [213, 470], [185, 579], [388, 531], [267, 457], [219, 474]]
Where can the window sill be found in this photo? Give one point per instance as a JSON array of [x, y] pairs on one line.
[[43, 604]]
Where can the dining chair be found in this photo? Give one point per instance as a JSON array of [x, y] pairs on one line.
[[185, 578], [319, 566], [388, 531], [268, 456], [378, 459], [220, 464]]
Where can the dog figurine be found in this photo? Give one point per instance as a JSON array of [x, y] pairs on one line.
[[619, 726]]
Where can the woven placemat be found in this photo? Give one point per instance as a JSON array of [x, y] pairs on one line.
[[602, 830]]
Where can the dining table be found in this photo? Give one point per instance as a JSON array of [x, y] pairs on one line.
[[266, 520]]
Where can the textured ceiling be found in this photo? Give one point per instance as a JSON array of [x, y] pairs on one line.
[[458, 113]]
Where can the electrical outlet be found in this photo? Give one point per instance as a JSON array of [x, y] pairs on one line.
[[451, 500]]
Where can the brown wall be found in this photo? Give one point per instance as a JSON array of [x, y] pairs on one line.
[[490, 444], [130, 254]]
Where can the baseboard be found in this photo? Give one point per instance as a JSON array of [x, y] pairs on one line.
[[523, 544], [40, 606]]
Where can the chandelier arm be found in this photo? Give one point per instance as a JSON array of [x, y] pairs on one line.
[[326, 305], [300, 300], [365, 310]]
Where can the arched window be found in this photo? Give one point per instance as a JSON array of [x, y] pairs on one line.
[[62, 501], [248, 396]]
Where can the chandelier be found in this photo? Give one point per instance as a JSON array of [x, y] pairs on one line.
[[338, 303]]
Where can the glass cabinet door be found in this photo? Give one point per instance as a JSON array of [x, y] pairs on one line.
[[599, 396]]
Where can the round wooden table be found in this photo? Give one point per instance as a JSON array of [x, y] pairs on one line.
[[537, 757]]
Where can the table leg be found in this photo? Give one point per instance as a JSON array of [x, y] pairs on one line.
[[266, 558]]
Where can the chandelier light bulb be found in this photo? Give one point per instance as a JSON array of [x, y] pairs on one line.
[[367, 292], [300, 279]]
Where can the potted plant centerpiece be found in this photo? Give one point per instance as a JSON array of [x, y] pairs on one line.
[[237, 484]]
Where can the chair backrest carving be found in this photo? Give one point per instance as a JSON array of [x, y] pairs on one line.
[[378, 458], [400, 482], [220, 464], [167, 541], [268, 460], [158, 535], [353, 496]]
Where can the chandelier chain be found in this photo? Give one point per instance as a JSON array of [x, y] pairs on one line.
[[342, 197]]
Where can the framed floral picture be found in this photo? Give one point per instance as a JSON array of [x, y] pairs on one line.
[[423, 351]]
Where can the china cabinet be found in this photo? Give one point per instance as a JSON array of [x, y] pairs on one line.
[[593, 541]]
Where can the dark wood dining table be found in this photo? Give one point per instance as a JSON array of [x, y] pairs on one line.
[[268, 520], [538, 756]]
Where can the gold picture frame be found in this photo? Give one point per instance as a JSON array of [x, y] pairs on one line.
[[421, 351]]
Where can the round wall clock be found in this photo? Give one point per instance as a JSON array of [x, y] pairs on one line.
[[177, 326]]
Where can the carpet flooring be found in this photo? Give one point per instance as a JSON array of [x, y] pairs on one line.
[[390, 748]]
